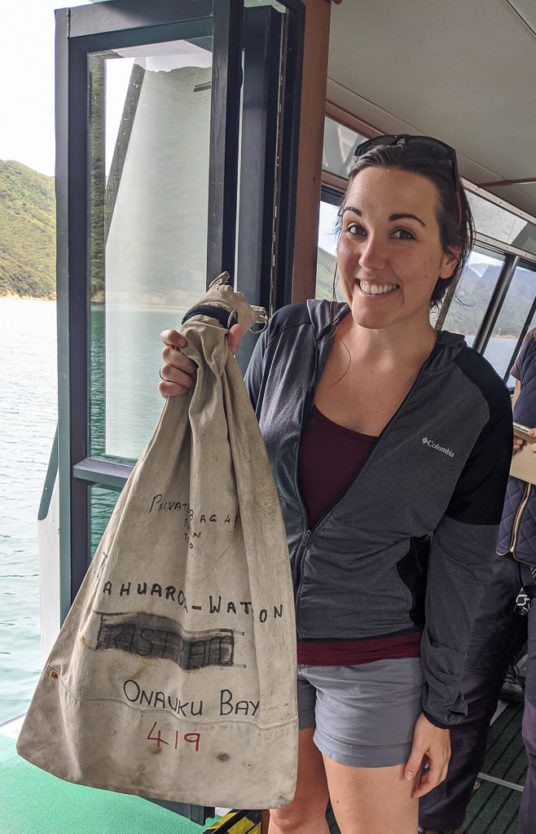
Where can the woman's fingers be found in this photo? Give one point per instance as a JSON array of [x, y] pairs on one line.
[[178, 373], [429, 758], [174, 359], [173, 389], [518, 444], [177, 376], [234, 336], [173, 338]]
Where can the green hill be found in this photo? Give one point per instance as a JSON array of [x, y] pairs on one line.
[[27, 232]]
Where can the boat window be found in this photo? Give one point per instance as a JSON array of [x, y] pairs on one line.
[[496, 222], [326, 260], [473, 294], [339, 145], [511, 321]]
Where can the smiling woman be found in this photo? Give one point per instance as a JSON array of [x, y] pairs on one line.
[[355, 398]]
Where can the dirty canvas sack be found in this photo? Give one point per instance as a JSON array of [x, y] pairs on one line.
[[174, 674]]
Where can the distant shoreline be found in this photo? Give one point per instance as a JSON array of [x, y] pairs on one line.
[[171, 308], [10, 297]]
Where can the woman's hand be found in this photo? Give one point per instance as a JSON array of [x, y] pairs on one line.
[[429, 758], [178, 373], [532, 433], [519, 442]]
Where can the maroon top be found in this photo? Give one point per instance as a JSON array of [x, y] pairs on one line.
[[330, 458]]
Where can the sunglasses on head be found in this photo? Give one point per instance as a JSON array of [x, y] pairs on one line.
[[421, 145]]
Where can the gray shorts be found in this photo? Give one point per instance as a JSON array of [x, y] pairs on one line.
[[363, 715]]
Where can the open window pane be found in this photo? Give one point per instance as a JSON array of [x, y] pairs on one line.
[[149, 137], [511, 320]]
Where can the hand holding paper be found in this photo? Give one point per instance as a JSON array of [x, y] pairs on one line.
[[524, 454]]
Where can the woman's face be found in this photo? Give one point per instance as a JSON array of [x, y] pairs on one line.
[[389, 252]]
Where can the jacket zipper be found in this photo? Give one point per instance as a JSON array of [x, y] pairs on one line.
[[308, 532]]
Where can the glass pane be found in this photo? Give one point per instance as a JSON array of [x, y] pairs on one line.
[[327, 244], [473, 294], [510, 381], [339, 145], [511, 320], [101, 504], [148, 208], [326, 259], [504, 226]]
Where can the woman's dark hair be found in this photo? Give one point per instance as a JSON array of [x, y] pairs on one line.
[[456, 227]]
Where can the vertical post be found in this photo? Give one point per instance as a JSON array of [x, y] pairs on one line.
[[313, 103], [224, 137], [62, 306], [258, 151], [71, 205]]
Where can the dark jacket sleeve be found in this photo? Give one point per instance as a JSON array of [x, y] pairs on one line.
[[461, 558]]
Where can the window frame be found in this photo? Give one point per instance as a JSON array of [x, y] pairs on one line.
[[239, 118]]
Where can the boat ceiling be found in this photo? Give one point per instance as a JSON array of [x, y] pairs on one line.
[[463, 71]]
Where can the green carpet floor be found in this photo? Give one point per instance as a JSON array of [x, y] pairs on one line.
[[34, 802]]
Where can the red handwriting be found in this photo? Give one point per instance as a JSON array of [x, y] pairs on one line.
[[154, 734]]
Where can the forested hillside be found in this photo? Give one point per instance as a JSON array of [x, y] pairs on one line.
[[27, 232]]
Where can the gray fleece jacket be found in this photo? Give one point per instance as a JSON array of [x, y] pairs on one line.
[[410, 544]]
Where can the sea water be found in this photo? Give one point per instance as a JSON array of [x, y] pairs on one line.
[[28, 415]]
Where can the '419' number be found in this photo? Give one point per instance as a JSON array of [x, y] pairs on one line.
[[175, 741]]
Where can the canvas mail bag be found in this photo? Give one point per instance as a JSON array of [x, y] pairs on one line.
[[174, 674]]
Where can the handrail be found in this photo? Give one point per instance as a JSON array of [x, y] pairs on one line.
[[50, 477]]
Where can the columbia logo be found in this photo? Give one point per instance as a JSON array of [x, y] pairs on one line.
[[433, 445]]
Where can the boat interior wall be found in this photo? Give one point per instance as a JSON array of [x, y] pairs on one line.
[[462, 71]]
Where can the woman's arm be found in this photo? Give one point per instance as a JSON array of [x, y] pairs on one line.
[[462, 550]]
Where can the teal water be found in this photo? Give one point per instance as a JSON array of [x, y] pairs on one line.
[[28, 416]]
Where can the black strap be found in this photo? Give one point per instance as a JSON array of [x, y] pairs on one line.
[[224, 317]]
